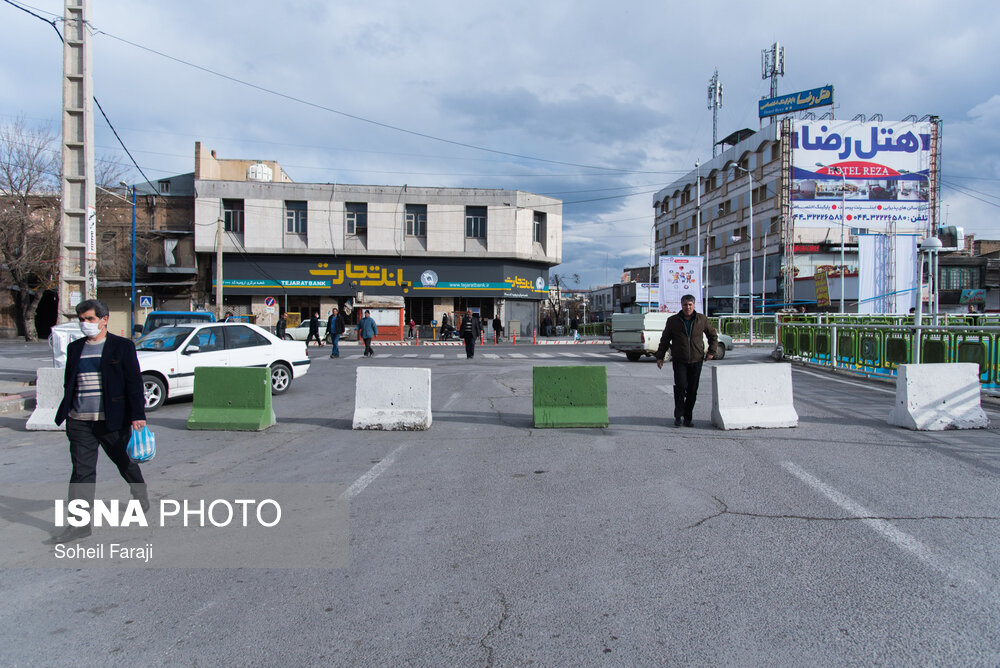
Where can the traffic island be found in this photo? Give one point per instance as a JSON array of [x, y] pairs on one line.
[[570, 396], [231, 399]]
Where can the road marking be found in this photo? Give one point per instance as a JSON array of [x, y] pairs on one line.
[[887, 530], [410, 355], [437, 356], [665, 389], [841, 380], [460, 356], [595, 354], [374, 472], [567, 354], [354, 357], [542, 355], [451, 400], [492, 356], [518, 356]]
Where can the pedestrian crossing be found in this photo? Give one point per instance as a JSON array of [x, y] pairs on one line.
[[529, 354]]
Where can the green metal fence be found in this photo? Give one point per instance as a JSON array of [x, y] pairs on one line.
[[878, 345]]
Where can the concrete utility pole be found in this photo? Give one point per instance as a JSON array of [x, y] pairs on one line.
[[218, 267], [78, 222]]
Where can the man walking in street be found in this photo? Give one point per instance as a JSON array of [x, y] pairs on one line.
[[335, 329], [497, 329], [279, 331], [314, 330], [470, 332], [684, 337], [102, 403], [368, 330]]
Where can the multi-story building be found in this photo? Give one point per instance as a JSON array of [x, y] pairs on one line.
[[313, 246], [788, 194]]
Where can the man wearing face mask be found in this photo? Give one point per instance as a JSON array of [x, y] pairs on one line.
[[103, 402]]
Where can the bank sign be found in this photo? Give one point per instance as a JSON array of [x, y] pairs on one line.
[[411, 277], [867, 175]]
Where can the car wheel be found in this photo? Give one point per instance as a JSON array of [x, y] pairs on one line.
[[633, 357], [720, 351], [289, 337], [281, 378], [154, 391]]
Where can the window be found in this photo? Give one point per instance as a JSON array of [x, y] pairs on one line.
[[243, 337], [296, 217], [232, 215], [475, 222], [356, 217], [960, 278], [725, 208], [775, 151], [416, 220], [685, 196], [539, 227], [694, 221], [164, 186], [209, 340]]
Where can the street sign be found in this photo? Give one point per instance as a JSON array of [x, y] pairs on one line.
[[145, 301], [268, 301]]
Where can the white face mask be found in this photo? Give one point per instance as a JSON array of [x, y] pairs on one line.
[[90, 329]]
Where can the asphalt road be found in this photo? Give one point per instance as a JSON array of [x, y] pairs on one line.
[[484, 541]]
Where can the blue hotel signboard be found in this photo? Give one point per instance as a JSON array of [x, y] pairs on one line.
[[783, 104]]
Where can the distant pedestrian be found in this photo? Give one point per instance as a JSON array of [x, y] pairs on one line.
[[102, 404], [470, 331], [497, 329], [314, 330], [335, 329], [683, 336], [368, 330], [279, 331], [413, 323], [229, 317], [574, 326]]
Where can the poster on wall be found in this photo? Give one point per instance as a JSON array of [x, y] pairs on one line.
[[861, 175], [679, 275]]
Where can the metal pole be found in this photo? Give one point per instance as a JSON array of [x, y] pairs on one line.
[[918, 317], [652, 247], [750, 177], [843, 222], [132, 299]]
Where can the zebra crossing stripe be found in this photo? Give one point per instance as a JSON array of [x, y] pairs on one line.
[[492, 356], [518, 356], [567, 354], [542, 355], [438, 356]]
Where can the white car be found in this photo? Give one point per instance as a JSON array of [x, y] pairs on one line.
[[168, 357]]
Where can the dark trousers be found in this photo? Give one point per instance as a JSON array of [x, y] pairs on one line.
[[313, 335], [686, 377], [470, 345], [368, 347], [84, 439]]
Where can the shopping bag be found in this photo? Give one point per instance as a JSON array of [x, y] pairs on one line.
[[142, 445]]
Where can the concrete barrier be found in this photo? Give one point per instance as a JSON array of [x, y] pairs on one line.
[[934, 397], [570, 396], [753, 396], [392, 399], [48, 396], [231, 399]]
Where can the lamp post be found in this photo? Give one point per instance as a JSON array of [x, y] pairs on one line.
[[131, 323], [750, 188], [652, 248], [843, 223]]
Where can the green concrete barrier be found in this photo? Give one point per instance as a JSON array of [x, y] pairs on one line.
[[231, 399], [570, 396]]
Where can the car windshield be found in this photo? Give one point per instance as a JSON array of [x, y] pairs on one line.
[[164, 338]]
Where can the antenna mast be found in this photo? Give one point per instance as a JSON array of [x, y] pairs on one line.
[[715, 103]]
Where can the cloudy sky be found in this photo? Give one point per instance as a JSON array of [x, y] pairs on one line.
[[597, 104]]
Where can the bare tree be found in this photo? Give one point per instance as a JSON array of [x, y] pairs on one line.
[[29, 211], [556, 301]]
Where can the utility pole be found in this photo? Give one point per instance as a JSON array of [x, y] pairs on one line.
[[218, 267], [772, 66], [78, 219], [715, 103]]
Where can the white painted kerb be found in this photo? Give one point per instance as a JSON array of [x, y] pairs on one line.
[[748, 396], [48, 396], [392, 398], [934, 397]]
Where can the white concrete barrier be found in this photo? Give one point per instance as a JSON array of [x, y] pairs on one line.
[[48, 396], [393, 399], [934, 397], [748, 396]]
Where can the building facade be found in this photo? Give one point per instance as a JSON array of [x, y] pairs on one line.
[[787, 195], [313, 246]]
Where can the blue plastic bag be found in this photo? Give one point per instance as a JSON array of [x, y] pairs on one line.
[[142, 445]]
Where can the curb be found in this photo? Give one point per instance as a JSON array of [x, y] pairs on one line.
[[16, 403]]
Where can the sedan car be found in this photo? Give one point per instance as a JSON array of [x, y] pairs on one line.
[[168, 357], [301, 332]]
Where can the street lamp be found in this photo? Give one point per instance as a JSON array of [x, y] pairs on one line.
[[652, 247], [750, 187], [131, 323], [843, 222]]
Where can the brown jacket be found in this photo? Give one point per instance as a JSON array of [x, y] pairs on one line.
[[682, 347]]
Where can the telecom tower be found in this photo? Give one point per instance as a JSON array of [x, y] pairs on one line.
[[772, 66], [715, 103]]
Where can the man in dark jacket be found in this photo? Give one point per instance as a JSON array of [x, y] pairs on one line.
[[335, 328], [279, 331], [497, 329], [314, 330], [683, 335], [470, 332], [103, 401]]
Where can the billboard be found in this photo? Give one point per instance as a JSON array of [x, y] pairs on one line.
[[888, 279], [679, 276], [864, 175], [783, 104]]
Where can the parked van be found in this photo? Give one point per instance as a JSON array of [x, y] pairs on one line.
[[638, 335], [158, 319]]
